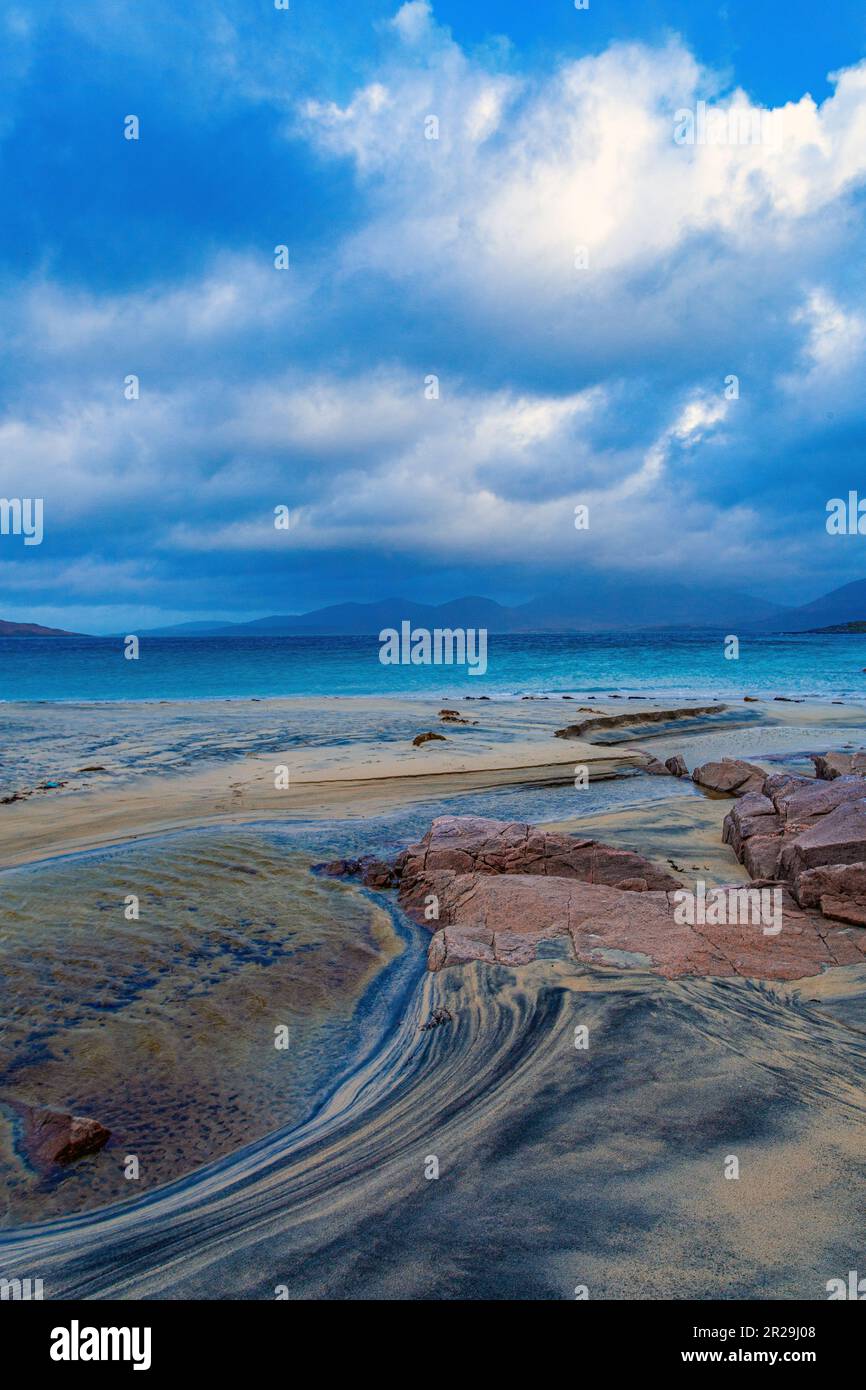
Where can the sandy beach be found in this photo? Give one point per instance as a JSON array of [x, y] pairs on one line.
[[138, 788], [605, 1169]]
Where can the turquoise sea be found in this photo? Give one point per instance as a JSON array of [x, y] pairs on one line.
[[820, 666]]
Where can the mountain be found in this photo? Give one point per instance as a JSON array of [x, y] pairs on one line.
[[845, 605], [593, 606], [610, 605], [33, 630]]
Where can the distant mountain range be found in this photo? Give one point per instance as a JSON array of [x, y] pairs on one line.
[[598, 605], [601, 605]]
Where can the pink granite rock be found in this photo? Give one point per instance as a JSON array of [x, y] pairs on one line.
[[470, 844], [729, 777], [503, 918], [838, 890]]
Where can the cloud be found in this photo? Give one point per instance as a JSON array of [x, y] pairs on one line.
[[560, 382]]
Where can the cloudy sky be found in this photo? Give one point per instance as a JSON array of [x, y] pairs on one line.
[[579, 281]]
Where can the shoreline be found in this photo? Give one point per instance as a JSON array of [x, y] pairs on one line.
[[660, 1094], [512, 745]]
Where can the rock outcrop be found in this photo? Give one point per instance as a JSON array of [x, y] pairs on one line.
[[810, 833], [474, 844], [496, 891], [648, 716], [505, 918]]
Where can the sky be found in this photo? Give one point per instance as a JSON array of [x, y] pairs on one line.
[[513, 288]]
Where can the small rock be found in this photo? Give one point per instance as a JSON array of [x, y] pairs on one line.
[[436, 1020], [52, 1137], [419, 739], [676, 765]]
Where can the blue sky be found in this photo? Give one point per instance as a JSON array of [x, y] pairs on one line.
[[409, 257]]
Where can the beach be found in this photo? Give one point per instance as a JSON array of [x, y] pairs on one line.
[[305, 1170]]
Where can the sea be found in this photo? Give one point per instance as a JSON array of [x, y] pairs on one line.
[[818, 666]]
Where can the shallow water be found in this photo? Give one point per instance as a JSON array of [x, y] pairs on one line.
[[164, 1027]]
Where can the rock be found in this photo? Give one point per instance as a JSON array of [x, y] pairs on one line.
[[752, 699], [479, 913], [809, 832], [377, 874], [654, 767], [760, 856], [753, 814], [832, 765], [838, 890], [804, 804], [373, 873], [339, 868], [52, 1137], [453, 716], [436, 1020], [778, 784], [836, 838], [650, 716], [420, 739], [730, 777], [676, 765], [474, 844]]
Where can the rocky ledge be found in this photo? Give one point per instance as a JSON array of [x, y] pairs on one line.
[[495, 891], [808, 833]]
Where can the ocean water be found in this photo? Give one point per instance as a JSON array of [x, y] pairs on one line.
[[819, 666]]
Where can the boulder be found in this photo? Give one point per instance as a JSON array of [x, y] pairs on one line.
[[836, 838], [753, 814], [838, 890], [676, 765], [779, 784], [831, 765], [373, 873], [730, 777], [655, 768], [52, 1138], [807, 803], [760, 856]]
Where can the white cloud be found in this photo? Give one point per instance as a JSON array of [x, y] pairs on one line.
[[523, 172]]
